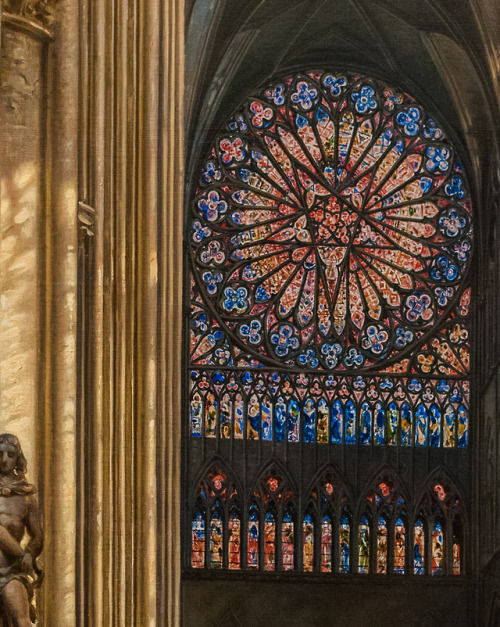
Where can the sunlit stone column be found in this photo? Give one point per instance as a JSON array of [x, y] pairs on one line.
[[21, 165], [58, 335], [38, 180]]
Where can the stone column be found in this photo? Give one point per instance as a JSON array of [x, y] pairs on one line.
[[59, 310], [38, 169], [22, 89], [131, 165], [170, 267]]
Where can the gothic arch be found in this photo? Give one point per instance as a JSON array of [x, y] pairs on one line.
[[273, 520], [388, 501], [216, 518], [216, 462], [453, 491], [447, 536], [329, 502], [385, 473], [331, 468]]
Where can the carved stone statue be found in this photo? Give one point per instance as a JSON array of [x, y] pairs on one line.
[[19, 514]]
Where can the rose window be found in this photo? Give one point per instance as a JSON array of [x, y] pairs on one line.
[[331, 230]]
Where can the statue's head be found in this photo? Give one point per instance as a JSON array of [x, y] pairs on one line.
[[10, 442]]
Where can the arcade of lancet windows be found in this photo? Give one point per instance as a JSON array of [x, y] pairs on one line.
[[380, 533], [330, 240]]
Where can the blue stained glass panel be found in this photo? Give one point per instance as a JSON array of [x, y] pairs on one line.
[[337, 422], [239, 412], [350, 423], [379, 424], [267, 412], [225, 417], [418, 548], [198, 542], [406, 424], [463, 426], [309, 421], [435, 426], [280, 420], [253, 423], [399, 547], [365, 424], [422, 417], [437, 548], [293, 421]]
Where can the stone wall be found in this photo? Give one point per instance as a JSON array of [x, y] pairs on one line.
[[361, 603]]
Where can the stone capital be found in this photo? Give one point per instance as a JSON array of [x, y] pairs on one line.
[[41, 12]]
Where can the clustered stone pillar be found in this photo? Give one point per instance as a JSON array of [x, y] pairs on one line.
[[91, 99], [131, 189]]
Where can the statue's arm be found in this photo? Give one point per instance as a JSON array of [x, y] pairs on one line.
[[8, 544], [34, 529]]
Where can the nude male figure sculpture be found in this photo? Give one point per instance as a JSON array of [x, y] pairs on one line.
[[19, 514]]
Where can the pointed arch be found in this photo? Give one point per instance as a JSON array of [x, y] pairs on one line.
[[216, 518], [272, 519], [386, 498], [328, 499], [385, 489], [214, 466], [330, 487], [441, 506], [273, 483], [441, 490]]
